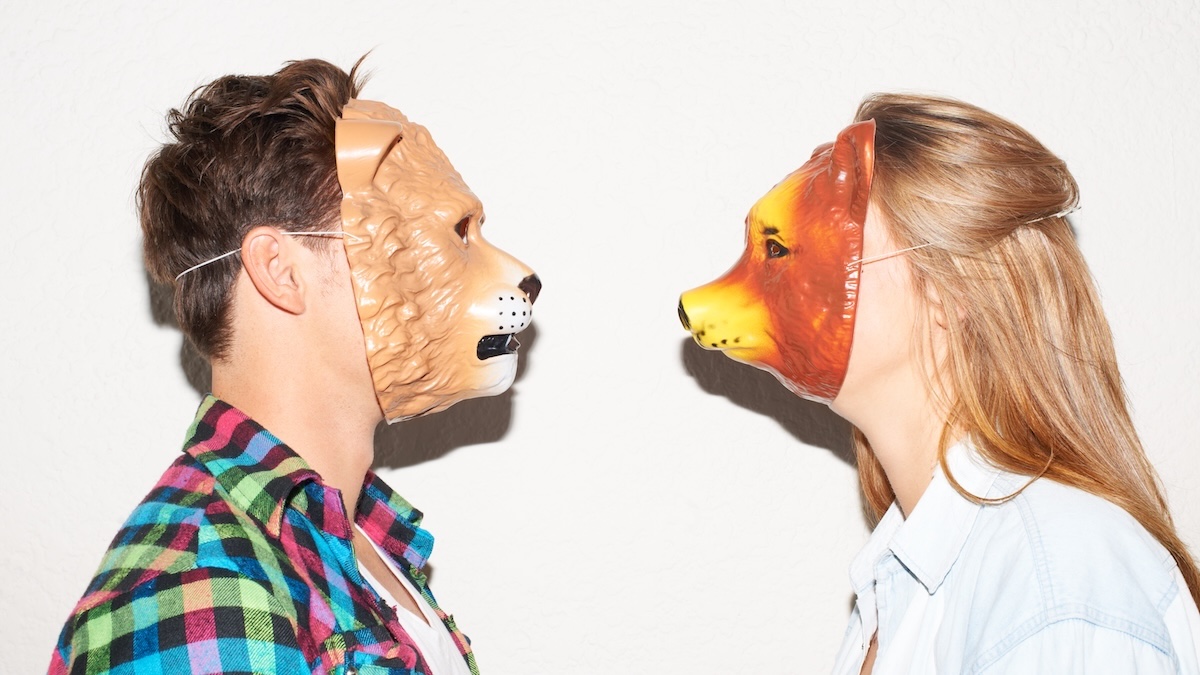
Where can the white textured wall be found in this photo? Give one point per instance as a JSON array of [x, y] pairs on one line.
[[635, 506]]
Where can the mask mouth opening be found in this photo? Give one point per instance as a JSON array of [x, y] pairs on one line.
[[496, 345]]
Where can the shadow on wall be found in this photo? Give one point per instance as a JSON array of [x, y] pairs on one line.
[[478, 420], [757, 390], [162, 310]]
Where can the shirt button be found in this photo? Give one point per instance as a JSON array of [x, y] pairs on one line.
[[351, 670]]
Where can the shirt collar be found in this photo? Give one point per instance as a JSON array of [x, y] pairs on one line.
[[256, 469], [261, 475], [390, 521], [929, 541]]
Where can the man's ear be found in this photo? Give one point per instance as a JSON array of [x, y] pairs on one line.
[[270, 259]]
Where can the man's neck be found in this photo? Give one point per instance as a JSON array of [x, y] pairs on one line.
[[333, 433]]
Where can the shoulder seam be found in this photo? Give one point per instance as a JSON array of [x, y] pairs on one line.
[[1157, 640]]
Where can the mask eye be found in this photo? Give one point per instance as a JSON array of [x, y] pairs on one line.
[[462, 228], [775, 249]]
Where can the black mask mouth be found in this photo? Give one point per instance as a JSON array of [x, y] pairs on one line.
[[496, 345]]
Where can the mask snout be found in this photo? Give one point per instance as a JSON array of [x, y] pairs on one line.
[[683, 317], [531, 286]]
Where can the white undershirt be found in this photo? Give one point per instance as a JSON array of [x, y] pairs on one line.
[[432, 637]]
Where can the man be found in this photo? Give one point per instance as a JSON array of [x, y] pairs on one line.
[[327, 259]]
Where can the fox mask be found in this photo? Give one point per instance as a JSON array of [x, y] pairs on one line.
[[788, 305]]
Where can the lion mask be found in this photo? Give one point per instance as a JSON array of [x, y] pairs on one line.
[[439, 305]]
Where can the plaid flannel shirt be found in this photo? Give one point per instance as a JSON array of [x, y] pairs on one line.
[[240, 561]]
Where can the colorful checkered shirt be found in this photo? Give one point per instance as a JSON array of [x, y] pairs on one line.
[[240, 561]]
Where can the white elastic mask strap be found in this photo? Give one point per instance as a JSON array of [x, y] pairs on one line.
[[892, 254], [1061, 214], [290, 234]]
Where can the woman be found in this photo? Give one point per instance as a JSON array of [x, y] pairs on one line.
[[1022, 528]]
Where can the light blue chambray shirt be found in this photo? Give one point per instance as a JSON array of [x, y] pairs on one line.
[[1055, 580]]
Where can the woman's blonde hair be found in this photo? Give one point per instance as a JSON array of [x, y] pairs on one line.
[[1030, 364]]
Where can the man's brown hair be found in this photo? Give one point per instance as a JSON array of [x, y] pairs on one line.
[[247, 151]]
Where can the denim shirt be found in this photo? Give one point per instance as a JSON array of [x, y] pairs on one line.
[[1055, 580]]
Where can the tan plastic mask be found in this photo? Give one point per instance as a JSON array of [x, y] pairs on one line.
[[439, 305], [788, 305]]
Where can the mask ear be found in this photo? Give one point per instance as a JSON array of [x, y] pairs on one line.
[[852, 167], [361, 146]]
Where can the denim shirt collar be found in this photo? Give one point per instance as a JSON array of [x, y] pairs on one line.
[[929, 541]]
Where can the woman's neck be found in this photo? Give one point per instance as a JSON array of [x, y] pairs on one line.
[[904, 427]]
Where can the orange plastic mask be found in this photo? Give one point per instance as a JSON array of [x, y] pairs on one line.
[[788, 304], [439, 305]]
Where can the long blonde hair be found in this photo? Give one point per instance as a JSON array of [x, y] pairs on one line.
[[1030, 363]]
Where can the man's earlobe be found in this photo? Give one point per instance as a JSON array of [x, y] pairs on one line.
[[268, 256]]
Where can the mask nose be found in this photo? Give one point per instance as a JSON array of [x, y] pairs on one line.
[[531, 286], [683, 317]]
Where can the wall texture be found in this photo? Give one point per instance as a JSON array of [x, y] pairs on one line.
[[634, 505]]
